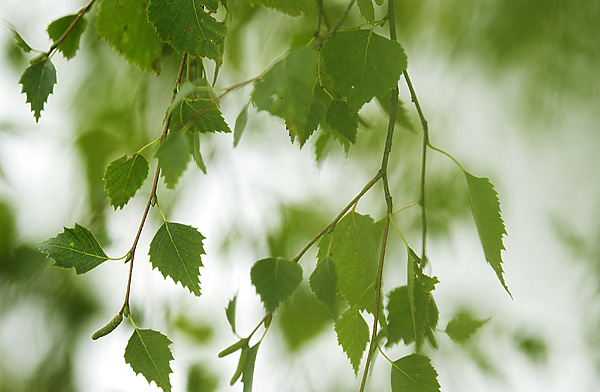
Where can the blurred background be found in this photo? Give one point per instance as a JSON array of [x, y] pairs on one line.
[[509, 88]]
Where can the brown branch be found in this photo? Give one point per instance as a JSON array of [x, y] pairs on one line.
[[68, 30], [152, 193]]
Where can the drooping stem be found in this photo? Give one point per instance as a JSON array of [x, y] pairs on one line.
[[152, 192], [68, 30], [389, 206]]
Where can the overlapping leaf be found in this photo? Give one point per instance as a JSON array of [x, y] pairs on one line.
[[125, 26], [148, 353], [38, 81], [248, 373], [324, 283], [422, 306], [488, 219], [188, 27], [176, 251], [353, 245], [287, 90], [343, 119], [353, 335], [414, 373], [363, 64], [173, 156], [68, 47], [275, 280], [123, 178], [75, 248], [199, 115]]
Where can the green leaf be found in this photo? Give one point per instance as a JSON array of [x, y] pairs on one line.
[[488, 219], [342, 119], [290, 7], [187, 27], [422, 306], [354, 245], [241, 363], [176, 251], [123, 178], [148, 353], [463, 326], [402, 118], [240, 125], [126, 28], [353, 335], [275, 280], [400, 320], [230, 312], [173, 156], [414, 373], [68, 47], [324, 283], [248, 374], [20, 41], [194, 145], [199, 115], [75, 248], [367, 10], [286, 90], [38, 81], [363, 64]]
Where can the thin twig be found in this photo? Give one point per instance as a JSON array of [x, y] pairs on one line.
[[152, 193], [68, 30], [389, 205], [340, 215]]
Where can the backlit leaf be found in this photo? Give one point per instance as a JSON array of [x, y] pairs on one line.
[[353, 335], [422, 306], [324, 283], [286, 91], [173, 156], [38, 81], [343, 119], [363, 64], [148, 353], [488, 219], [414, 373], [68, 47], [353, 245], [275, 280], [176, 251], [198, 115], [187, 27], [126, 28], [123, 178], [463, 326], [75, 248]]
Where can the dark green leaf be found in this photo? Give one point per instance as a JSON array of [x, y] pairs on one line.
[[123, 178], [75, 248], [488, 219], [248, 375], [176, 251], [422, 306], [290, 7], [342, 119], [38, 81], [68, 47], [126, 28], [366, 9], [363, 64], [286, 91], [187, 27], [463, 326], [275, 280], [173, 156], [324, 283], [199, 115], [414, 373], [353, 245], [240, 125], [353, 335], [148, 353], [230, 313]]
